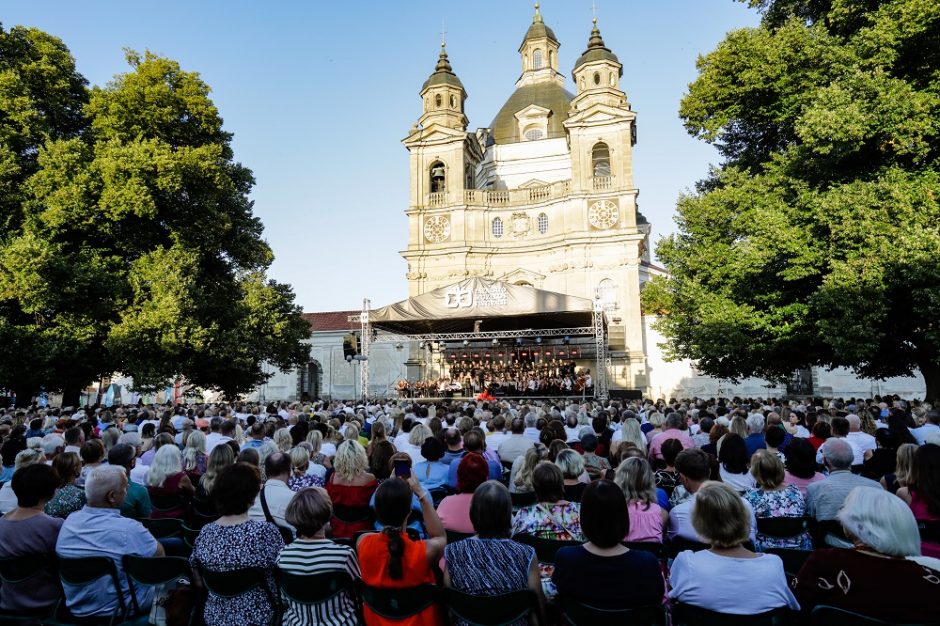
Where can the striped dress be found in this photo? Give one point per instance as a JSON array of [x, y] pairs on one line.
[[318, 556]]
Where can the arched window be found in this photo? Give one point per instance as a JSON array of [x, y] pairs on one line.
[[537, 60], [606, 292], [600, 159], [438, 100], [551, 58], [438, 177], [468, 182], [533, 134], [497, 227], [543, 223], [453, 102]]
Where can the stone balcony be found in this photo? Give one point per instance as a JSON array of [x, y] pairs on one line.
[[500, 198]]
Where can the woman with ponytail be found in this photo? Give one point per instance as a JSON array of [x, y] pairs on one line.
[[391, 559]]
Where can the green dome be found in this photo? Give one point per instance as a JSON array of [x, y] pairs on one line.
[[596, 51], [547, 94], [538, 29], [443, 73]]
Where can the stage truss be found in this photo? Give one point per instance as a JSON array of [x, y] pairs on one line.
[[598, 330]]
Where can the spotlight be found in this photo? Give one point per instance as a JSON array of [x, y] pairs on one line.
[[538, 340], [495, 342], [518, 341], [466, 342], [566, 340]]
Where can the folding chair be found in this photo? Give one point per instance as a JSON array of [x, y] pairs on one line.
[[491, 610]]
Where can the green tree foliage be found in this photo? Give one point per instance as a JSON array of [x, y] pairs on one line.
[[138, 251], [817, 240]]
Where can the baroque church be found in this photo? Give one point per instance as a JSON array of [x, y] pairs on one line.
[[544, 197]]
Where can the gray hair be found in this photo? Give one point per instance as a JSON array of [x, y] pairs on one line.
[[755, 423], [103, 479], [855, 422], [838, 453], [881, 521], [530, 419], [570, 463], [27, 457], [675, 421], [51, 443]]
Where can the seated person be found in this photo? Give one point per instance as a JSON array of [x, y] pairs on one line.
[[594, 573], [99, 529], [774, 498], [454, 511], [727, 578], [27, 532], [552, 517], [309, 512], [883, 576], [490, 563], [431, 472]]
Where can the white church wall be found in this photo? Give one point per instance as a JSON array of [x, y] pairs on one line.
[[510, 166]]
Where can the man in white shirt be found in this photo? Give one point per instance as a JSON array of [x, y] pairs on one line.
[[932, 425], [277, 494], [215, 436], [531, 432], [693, 467], [861, 442], [516, 444]]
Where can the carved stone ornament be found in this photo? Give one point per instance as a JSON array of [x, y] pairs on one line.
[[521, 224], [437, 228], [603, 214]]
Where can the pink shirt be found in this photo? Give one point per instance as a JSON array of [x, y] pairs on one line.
[[454, 512], [802, 483], [657, 442], [646, 524]]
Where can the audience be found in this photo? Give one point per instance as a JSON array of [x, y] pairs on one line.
[[733, 458], [274, 495], [137, 503], [168, 485], [99, 529], [727, 577], [455, 510], [801, 465], [648, 520], [27, 532], [69, 497], [350, 488], [235, 542], [23, 459], [923, 492], [552, 517], [571, 465], [309, 511], [432, 472], [774, 498], [594, 573]]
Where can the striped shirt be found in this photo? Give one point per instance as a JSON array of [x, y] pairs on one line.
[[318, 556]]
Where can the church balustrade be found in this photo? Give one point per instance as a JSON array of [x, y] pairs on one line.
[[516, 197], [603, 182], [438, 198]]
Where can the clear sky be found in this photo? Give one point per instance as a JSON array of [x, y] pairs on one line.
[[320, 94]]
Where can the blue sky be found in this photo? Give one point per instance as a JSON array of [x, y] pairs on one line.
[[320, 94]]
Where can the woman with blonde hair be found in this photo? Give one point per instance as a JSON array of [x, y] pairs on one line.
[[773, 497], [167, 482], [376, 435], [300, 463], [350, 488], [317, 457], [648, 520], [571, 465], [283, 440], [902, 473], [416, 438], [629, 432], [221, 457], [520, 478], [657, 419], [739, 427], [195, 458]]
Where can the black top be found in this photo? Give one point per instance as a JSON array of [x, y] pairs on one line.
[[626, 581]]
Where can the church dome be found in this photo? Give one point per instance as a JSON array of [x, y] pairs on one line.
[[596, 50], [548, 94], [538, 29], [443, 73]]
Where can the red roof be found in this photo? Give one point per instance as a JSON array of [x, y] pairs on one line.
[[333, 320]]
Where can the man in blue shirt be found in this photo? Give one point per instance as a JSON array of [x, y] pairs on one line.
[[98, 529], [473, 442]]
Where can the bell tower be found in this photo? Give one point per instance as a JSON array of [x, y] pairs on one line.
[[539, 53], [443, 95]]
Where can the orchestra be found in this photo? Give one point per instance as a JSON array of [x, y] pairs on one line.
[[517, 378]]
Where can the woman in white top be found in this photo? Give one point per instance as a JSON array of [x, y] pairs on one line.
[[733, 468], [727, 577]]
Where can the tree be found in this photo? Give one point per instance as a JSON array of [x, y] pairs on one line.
[[139, 252], [817, 239]]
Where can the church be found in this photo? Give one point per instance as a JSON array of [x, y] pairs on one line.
[[542, 198]]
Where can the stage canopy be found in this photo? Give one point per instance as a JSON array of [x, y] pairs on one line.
[[497, 306]]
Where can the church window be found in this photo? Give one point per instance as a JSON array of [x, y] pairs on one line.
[[438, 179], [606, 294], [497, 228], [468, 182], [534, 134], [438, 100], [600, 159], [453, 102], [543, 223], [537, 60], [613, 81], [597, 78], [551, 58]]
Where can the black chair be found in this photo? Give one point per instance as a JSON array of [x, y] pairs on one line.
[[688, 615], [201, 513], [189, 536], [397, 604], [453, 535], [679, 544], [824, 528], [545, 549], [578, 614], [163, 528], [80, 571], [153, 571], [494, 610], [792, 559], [929, 530], [317, 588], [520, 500], [437, 494], [784, 527], [353, 514], [824, 615], [234, 583], [164, 503], [21, 570], [653, 547]]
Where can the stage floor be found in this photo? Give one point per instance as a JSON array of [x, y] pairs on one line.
[[435, 400]]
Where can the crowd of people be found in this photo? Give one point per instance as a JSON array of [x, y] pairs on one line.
[[513, 379], [459, 495]]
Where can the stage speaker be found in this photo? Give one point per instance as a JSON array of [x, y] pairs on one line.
[[350, 346], [625, 394]]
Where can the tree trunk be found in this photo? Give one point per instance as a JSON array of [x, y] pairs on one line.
[[24, 395], [71, 396], [931, 373]]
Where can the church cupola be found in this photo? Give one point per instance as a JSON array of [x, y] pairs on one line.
[[597, 74], [539, 53], [443, 95]]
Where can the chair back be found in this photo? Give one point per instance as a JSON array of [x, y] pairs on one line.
[[578, 614], [437, 494], [163, 528], [522, 499], [688, 615], [80, 571], [453, 535], [784, 527], [164, 502], [233, 583], [315, 588], [352, 514], [792, 559], [929, 530], [189, 536], [545, 549], [679, 544], [20, 569], [825, 615], [153, 571], [653, 547], [397, 604], [491, 610]]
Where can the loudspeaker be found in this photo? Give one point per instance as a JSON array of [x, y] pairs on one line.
[[350, 346], [625, 394]]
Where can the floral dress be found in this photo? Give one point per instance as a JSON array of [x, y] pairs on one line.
[[561, 522], [226, 548], [296, 483], [67, 500], [786, 502]]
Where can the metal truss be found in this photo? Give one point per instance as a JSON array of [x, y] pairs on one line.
[[491, 334], [365, 340], [600, 354]]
